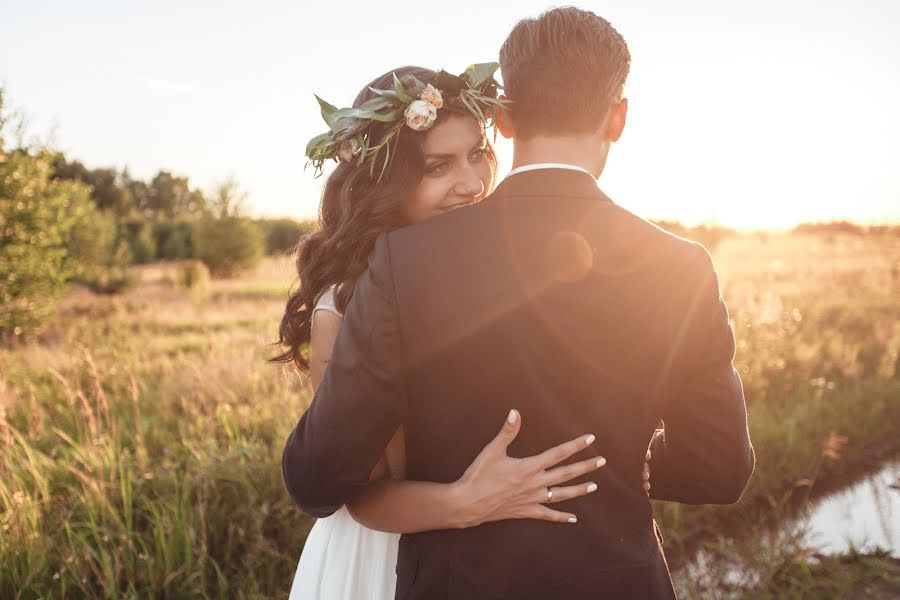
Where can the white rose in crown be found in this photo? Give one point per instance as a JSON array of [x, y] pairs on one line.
[[432, 96], [420, 115]]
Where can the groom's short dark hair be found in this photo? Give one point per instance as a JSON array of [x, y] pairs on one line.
[[562, 71]]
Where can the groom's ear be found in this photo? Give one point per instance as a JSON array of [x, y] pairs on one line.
[[616, 122], [504, 122]]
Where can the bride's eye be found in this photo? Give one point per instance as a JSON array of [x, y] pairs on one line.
[[477, 154], [437, 168]]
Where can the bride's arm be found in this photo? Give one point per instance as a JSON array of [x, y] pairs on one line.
[[323, 332], [494, 487]]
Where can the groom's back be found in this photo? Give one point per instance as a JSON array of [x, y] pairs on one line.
[[550, 299]]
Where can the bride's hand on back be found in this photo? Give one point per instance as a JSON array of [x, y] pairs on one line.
[[497, 486]]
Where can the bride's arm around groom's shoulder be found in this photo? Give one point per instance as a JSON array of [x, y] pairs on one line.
[[704, 455], [359, 404]]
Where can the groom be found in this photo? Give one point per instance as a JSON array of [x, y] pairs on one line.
[[549, 298]]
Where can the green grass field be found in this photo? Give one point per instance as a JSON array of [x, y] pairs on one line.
[[141, 435]]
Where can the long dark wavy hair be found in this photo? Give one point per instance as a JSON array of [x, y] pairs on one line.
[[354, 210]]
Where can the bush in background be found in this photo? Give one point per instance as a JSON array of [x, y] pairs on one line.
[[283, 234], [93, 240], [173, 239], [193, 276], [228, 245], [37, 215], [138, 234], [100, 248]]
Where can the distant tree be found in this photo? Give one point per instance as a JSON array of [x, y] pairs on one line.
[[138, 193], [227, 199], [885, 229], [63, 169], [107, 185], [169, 196], [107, 191], [831, 227]]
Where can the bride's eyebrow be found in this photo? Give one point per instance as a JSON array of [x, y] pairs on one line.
[[480, 145]]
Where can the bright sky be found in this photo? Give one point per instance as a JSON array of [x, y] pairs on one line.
[[749, 114]]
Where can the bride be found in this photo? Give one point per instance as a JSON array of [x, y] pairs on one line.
[[412, 147]]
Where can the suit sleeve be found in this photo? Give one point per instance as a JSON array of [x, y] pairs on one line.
[[359, 404], [704, 454]]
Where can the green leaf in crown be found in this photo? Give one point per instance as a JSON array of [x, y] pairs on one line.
[[450, 84], [480, 73], [410, 103]]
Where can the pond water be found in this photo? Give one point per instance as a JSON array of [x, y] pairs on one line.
[[864, 516]]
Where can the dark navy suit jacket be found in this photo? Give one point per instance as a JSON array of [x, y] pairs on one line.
[[549, 298]]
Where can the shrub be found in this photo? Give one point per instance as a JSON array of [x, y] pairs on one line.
[[37, 215], [193, 276], [283, 234], [173, 239], [228, 245], [92, 240], [138, 235], [103, 254]]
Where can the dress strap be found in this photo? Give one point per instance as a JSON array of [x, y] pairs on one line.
[[327, 302]]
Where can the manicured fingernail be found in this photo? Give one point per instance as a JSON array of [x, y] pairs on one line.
[[590, 439], [592, 488], [573, 520], [600, 462], [512, 416]]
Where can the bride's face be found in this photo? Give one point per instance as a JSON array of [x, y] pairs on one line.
[[457, 168]]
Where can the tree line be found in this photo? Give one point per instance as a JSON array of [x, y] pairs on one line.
[[159, 218], [61, 221]]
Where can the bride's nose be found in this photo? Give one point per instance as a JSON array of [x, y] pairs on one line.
[[469, 184]]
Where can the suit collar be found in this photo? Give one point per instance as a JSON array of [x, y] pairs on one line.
[[536, 166], [551, 182]]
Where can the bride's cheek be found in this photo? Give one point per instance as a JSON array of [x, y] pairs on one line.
[[425, 201], [487, 181]]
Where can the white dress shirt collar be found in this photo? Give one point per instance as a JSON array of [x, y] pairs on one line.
[[536, 166]]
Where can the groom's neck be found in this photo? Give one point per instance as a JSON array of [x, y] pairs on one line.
[[585, 151]]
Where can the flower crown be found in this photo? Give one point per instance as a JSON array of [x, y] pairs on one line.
[[410, 103]]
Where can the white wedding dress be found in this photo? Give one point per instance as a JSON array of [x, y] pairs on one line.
[[342, 560]]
